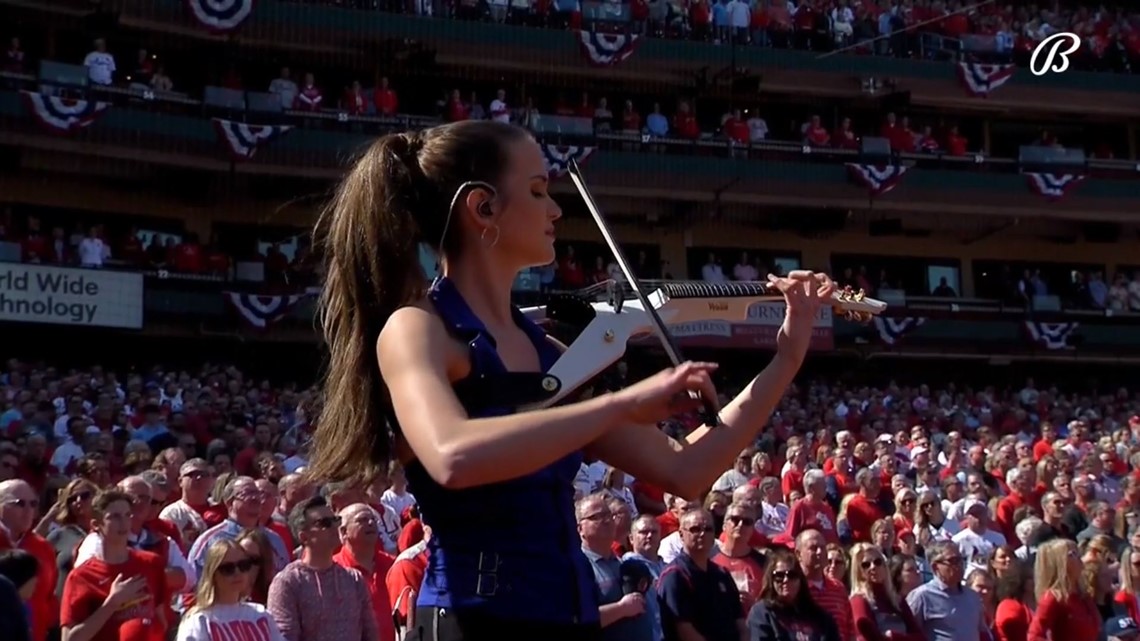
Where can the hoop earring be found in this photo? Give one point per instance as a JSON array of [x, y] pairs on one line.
[[483, 236]]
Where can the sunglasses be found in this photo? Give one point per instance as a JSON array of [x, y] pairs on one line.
[[195, 475], [699, 529], [82, 496], [232, 568], [836, 562], [876, 562], [781, 576], [326, 522], [740, 520], [33, 504]]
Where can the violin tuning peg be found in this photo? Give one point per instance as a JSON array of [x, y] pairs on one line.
[[859, 295]]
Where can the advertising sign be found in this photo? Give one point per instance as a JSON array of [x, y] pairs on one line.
[[757, 332], [66, 296]]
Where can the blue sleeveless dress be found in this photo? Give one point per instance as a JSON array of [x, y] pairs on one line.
[[509, 550]]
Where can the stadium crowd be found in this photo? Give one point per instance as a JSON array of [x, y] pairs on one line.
[[938, 29], [166, 504]]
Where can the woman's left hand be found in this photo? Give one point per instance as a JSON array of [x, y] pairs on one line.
[[804, 291]]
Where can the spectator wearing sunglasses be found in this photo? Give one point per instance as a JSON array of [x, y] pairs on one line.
[[19, 507], [698, 598], [242, 502], [945, 609], [879, 612], [314, 598], [738, 557], [71, 516], [220, 610], [786, 610]]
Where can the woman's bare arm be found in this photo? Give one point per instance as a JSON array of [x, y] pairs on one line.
[[686, 469], [458, 451]]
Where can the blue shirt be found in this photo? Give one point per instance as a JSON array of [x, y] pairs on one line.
[[507, 550], [607, 575]]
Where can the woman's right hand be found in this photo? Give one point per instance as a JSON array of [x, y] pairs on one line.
[[667, 394]]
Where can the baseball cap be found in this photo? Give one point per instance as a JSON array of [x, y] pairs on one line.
[[1121, 627], [971, 504]]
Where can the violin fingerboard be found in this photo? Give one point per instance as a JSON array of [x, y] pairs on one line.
[[701, 289]]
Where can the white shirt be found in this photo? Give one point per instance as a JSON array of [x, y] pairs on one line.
[[499, 110], [976, 548], [100, 67], [65, 454], [186, 519], [389, 528], [398, 502], [92, 548], [729, 481], [774, 519], [671, 547], [92, 252], [229, 622], [712, 273], [745, 272], [757, 129]]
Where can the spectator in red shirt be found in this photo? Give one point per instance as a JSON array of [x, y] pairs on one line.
[[456, 110], [815, 134], [630, 119], [955, 142], [844, 137], [736, 129], [404, 580], [354, 102], [685, 123], [1064, 611], [387, 103], [310, 97], [361, 551], [19, 507], [863, 508], [187, 255], [118, 595]]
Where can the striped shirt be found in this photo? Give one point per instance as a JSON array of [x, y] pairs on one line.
[[229, 530], [830, 595]]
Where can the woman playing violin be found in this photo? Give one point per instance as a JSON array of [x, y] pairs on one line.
[[495, 483]]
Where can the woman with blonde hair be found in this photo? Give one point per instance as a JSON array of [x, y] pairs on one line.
[[1064, 611], [883, 535], [1096, 582], [259, 550], [220, 610], [880, 614], [906, 504], [1128, 596], [70, 520]]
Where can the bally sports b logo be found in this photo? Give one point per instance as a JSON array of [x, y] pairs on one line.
[[1052, 53]]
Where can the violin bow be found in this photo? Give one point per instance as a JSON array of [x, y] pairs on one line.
[[664, 336]]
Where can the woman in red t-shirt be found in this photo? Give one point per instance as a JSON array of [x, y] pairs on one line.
[[117, 596], [1064, 611]]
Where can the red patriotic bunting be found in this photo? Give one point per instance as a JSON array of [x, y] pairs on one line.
[[558, 157], [892, 330], [244, 140], [979, 79], [878, 179], [1053, 186], [262, 311], [220, 16], [606, 49], [63, 115], [1051, 335]]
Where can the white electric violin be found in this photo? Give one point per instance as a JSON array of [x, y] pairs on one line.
[[609, 316]]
